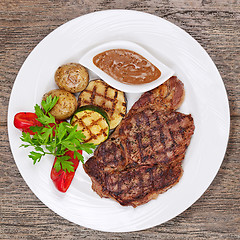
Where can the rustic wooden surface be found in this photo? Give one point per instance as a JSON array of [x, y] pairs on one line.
[[214, 23]]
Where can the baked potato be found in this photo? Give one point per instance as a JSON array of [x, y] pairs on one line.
[[72, 77], [65, 106]]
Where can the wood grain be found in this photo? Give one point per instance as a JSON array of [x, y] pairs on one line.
[[214, 24]]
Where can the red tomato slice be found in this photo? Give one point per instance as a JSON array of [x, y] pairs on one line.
[[62, 179]]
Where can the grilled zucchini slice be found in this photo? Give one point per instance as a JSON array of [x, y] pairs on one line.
[[100, 94], [93, 122]]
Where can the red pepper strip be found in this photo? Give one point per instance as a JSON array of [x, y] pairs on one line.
[[62, 179], [24, 120]]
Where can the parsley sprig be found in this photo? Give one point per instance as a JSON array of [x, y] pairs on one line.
[[54, 138]]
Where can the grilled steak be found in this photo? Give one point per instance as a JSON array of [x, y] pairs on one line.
[[143, 157]]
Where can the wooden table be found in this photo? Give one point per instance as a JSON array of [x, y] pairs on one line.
[[215, 24]]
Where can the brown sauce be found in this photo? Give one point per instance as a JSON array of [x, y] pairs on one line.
[[126, 66]]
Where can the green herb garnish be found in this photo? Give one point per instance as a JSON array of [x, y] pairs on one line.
[[54, 138]]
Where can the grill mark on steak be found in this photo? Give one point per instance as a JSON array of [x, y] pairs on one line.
[[140, 146], [143, 157], [163, 138]]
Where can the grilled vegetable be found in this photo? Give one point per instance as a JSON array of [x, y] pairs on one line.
[[93, 122], [62, 179], [25, 120], [100, 94]]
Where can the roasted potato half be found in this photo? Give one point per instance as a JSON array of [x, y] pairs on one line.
[[72, 77], [65, 106]]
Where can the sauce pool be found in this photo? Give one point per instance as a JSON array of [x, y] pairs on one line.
[[126, 66]]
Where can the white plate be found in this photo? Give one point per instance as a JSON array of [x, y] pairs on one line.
[[87, 61], [206, 100]]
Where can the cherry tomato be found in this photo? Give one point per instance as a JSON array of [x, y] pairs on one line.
[[24, 120], [62, 179]]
